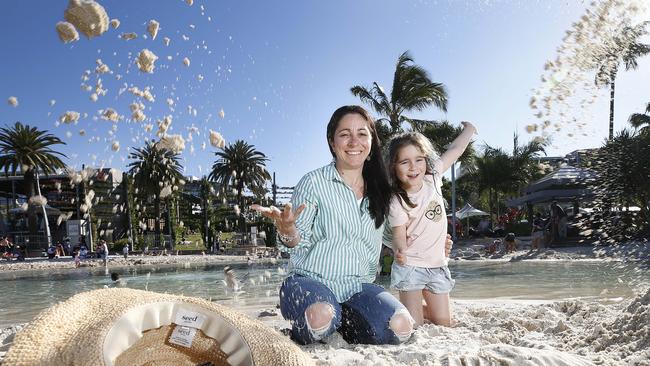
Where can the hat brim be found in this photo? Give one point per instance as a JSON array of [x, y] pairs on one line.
[[100, 327]]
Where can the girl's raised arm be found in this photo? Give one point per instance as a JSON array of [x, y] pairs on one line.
[[458, 146]]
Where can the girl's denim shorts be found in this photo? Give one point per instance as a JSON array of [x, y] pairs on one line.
[[410, 278]]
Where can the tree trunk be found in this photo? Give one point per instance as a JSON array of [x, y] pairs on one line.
[[127, 209], [157, 223], [32, 218], [170, 227], [612, 87], [205, 190], [240, 202]]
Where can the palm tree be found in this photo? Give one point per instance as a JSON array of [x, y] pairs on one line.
[[608, 68], [155, 168], [28, 149], [498, 173], [493, 175], [642, 121], [240, 165], [524, 168], [412, 90]]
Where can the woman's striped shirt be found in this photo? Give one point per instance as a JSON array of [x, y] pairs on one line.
[[339, 243]]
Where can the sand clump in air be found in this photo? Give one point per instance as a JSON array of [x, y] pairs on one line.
[[166, 40], [69, 117], [137, 113], [87, 16], [13, 101], [186, 61], [153, 28], [146, 93], [115, 23], [67, 32], [110, 114], [115, 146], [163, 125], [217, 140], [174, 143], [128, 36], [146, 61], [101, 68]]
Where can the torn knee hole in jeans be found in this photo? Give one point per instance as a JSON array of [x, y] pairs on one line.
[[321, 331], [401, 323]]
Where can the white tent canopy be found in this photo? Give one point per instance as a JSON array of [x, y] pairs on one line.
[[469, 211]]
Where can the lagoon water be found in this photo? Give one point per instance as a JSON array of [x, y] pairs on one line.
[[25, 294]]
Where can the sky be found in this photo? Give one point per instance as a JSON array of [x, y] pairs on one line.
[[278, 69]]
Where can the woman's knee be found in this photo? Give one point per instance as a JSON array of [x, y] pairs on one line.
[[319, 317], [401, 323]]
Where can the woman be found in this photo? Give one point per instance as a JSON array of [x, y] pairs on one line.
[[334, 238]]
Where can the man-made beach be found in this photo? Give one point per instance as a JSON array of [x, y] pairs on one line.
[[608, 330]]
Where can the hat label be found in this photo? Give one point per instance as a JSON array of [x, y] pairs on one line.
[[188, 318], [182, 336]]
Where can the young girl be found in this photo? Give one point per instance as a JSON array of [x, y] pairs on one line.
[[418, 223]]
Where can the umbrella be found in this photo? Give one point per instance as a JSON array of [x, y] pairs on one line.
[[468, 211]]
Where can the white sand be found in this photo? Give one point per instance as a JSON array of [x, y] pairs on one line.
[[570, 333], [488, 332]]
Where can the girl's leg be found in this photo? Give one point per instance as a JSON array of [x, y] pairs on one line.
[[374, 316], [413, 302], [311, 307], [437, 308]]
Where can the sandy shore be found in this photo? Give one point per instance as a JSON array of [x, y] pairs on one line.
[[568, 333], [488, 332], [463, 250], [119, 261]]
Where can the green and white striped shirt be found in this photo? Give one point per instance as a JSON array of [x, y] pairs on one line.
[[339, 244]]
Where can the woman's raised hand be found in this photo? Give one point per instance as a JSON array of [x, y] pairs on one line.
[[284, 220]]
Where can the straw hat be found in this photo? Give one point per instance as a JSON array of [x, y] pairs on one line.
[[121, 326]]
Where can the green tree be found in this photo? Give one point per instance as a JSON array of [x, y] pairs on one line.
[[412, 90], [29, 150], [622, 165], [153, 170], [492, 175], [626, 49], [523, 162], [641, 121], [240, 166], [498, 173]]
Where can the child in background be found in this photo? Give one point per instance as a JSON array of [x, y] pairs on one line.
[[417, 220]]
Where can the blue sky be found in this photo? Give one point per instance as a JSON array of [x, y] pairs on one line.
[[280, 68]]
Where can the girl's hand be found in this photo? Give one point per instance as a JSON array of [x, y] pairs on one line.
[[400, 257], [284, 220], [468, 125], [448, 244]]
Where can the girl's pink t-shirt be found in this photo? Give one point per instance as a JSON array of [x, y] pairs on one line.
[[426, 224]]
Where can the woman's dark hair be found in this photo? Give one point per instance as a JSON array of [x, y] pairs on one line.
[[374, 171]]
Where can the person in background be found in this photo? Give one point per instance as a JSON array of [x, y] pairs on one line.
[[125, 251], [558, 222], [5, 245], [105, 252], [386, 261], [537, 233]]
